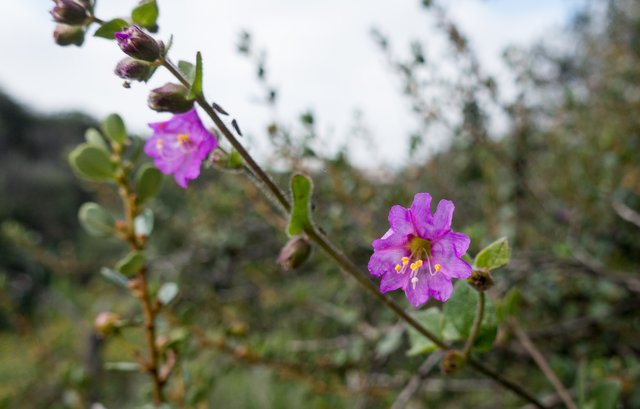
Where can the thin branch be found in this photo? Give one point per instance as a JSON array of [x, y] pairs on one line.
[[542, 364], [477, 323], [414, 383]]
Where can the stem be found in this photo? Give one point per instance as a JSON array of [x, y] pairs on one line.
[[141, 289], [543, 365], [260, 174], [475, 329], [319, 237]]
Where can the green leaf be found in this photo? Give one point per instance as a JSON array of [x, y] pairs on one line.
[[148, 182], [431, 320], [96, 220], [122, 366], [131, 264], [301, 190], [143, 223], [115, 277], [167, 293], [145, 14], [110, 28], [460, 311], [495, 255], [196, 85], [113, 128], [509, 305], [187, 69], [389, 343], [94, 138], [92, 163], [605, 394]]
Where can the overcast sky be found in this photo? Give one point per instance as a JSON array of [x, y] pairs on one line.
[[320, 56]]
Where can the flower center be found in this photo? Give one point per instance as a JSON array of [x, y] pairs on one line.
[[183, 138], [420, 256]]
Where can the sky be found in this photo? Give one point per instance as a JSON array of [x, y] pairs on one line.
[[320, 56]]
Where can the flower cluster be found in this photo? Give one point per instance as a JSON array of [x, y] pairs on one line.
[[420, 253], [178, 146]]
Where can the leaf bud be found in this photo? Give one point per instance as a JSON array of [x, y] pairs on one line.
[[294, 253], [69, 12], [481, 280], [451, 362], [137, 44], [106, 323], [65, 35], [170, 98], [132, 69]]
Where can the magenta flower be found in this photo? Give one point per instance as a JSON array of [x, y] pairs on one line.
[[420, 253], [178, 146]]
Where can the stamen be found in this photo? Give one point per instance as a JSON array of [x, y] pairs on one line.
[[418, 263], [405, 261], [398, 267], [437, 267], [159, 144], [183, 138]]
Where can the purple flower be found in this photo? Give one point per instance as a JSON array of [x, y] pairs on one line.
[[420, 253], [178, 146]]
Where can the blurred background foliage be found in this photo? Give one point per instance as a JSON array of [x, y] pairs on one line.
[[561, 180]]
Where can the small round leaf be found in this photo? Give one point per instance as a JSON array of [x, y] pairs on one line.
[[92, 163], [96, 220]]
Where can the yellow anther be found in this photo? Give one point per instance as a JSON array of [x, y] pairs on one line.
[[419, 263], [405, 261], [159, 144], [437, 267], [182, 138], [413, 267], [398, 267]]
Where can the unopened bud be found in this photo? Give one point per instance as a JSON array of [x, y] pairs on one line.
[[170, 98], [132, 69], [138, 44], [68, 35], [451, 362], [106, 323], [481, 280], [294, 253], [69, 12]]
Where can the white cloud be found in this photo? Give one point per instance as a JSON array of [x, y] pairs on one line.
[[320, 55]]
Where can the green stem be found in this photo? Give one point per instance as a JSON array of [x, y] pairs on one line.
[[475, 328]]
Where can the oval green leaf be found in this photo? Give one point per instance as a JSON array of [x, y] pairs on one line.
[[94, 138], [131, 264], [145, 14], [301, 191], [493, 256], [96, 220], [143, 223], [114, 129], [148, 182], [431, 319], [110, 28], [92, 163]]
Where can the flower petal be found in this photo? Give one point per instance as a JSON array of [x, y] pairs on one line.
[[452, 266], [421, 214], [393, 241], [441, 222], [440, 287], [400, 220], [393, 280], [420, 294], [460, 242], [384, 261]]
